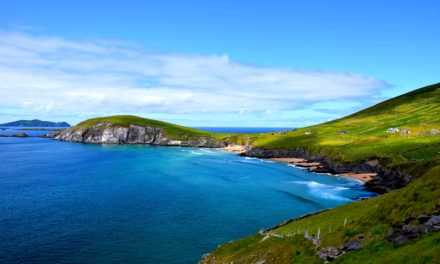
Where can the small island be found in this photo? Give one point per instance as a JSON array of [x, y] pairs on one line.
[[35, 123]]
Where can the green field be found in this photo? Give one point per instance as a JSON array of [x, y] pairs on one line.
[[366, 137], [417, 154], [367, 219]]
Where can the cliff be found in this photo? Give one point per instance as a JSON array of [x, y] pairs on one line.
[[105, 132], [384, 181]]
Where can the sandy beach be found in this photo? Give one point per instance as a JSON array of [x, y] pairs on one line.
[[235, 148]]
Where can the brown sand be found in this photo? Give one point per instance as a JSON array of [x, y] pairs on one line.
[[360, 176], [235, 148]]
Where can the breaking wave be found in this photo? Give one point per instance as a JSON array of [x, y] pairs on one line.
[[324, 191]]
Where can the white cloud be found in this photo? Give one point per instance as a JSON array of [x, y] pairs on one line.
[[50, 75]]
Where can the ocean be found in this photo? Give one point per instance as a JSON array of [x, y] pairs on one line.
[[66, 202]]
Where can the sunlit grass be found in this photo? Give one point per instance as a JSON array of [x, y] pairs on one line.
[[417, 154]]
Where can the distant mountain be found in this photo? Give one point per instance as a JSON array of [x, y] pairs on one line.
[[35, 123]]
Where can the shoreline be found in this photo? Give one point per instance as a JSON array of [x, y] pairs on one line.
[[236, 148], [314, 166], [311, 166]]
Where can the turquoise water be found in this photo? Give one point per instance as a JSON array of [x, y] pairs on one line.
[[77, 203]]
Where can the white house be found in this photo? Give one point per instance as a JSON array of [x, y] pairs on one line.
[[434, 132], [393, 130]]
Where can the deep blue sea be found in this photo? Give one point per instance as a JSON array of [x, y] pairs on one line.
[[79, 203]]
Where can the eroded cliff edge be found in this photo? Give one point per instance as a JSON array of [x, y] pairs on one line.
[[109, 133], [385, 180]]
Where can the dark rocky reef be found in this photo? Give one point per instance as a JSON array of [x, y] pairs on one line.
[[19, 134], [385, 181], [108, 133]]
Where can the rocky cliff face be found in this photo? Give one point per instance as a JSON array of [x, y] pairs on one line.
[[107, 133], [385, 181]]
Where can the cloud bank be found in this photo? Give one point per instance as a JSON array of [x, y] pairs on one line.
[[53, 76]]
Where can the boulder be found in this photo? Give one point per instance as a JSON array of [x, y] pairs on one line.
[[330, 253], [407, 233], [20, 134], [423, 218], [372, 163], [434, 220], [352, 245]]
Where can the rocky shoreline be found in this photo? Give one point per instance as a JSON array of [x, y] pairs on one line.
[[20, 135], [108, 133], [379, 179]]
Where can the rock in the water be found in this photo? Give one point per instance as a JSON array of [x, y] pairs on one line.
[[352, 245], [20, 134]]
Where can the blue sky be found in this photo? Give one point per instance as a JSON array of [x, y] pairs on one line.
[[213, 63]]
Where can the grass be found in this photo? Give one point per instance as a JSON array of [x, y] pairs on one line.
[[170, 130], [368, 220], [366, 138]]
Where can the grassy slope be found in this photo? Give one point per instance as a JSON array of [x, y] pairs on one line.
[[171, 130], [369, 218], [417, 111]]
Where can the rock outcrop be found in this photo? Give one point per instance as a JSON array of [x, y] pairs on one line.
[[384, 181], [330, 253], [413, 228], [108, 133], [19, 134]]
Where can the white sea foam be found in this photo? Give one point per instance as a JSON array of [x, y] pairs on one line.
[[325, 191], [206, 150], [196, 153], [294, 166]]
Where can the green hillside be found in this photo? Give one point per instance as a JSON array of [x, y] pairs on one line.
[[369, 220], [171, 130], [366, 136]]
